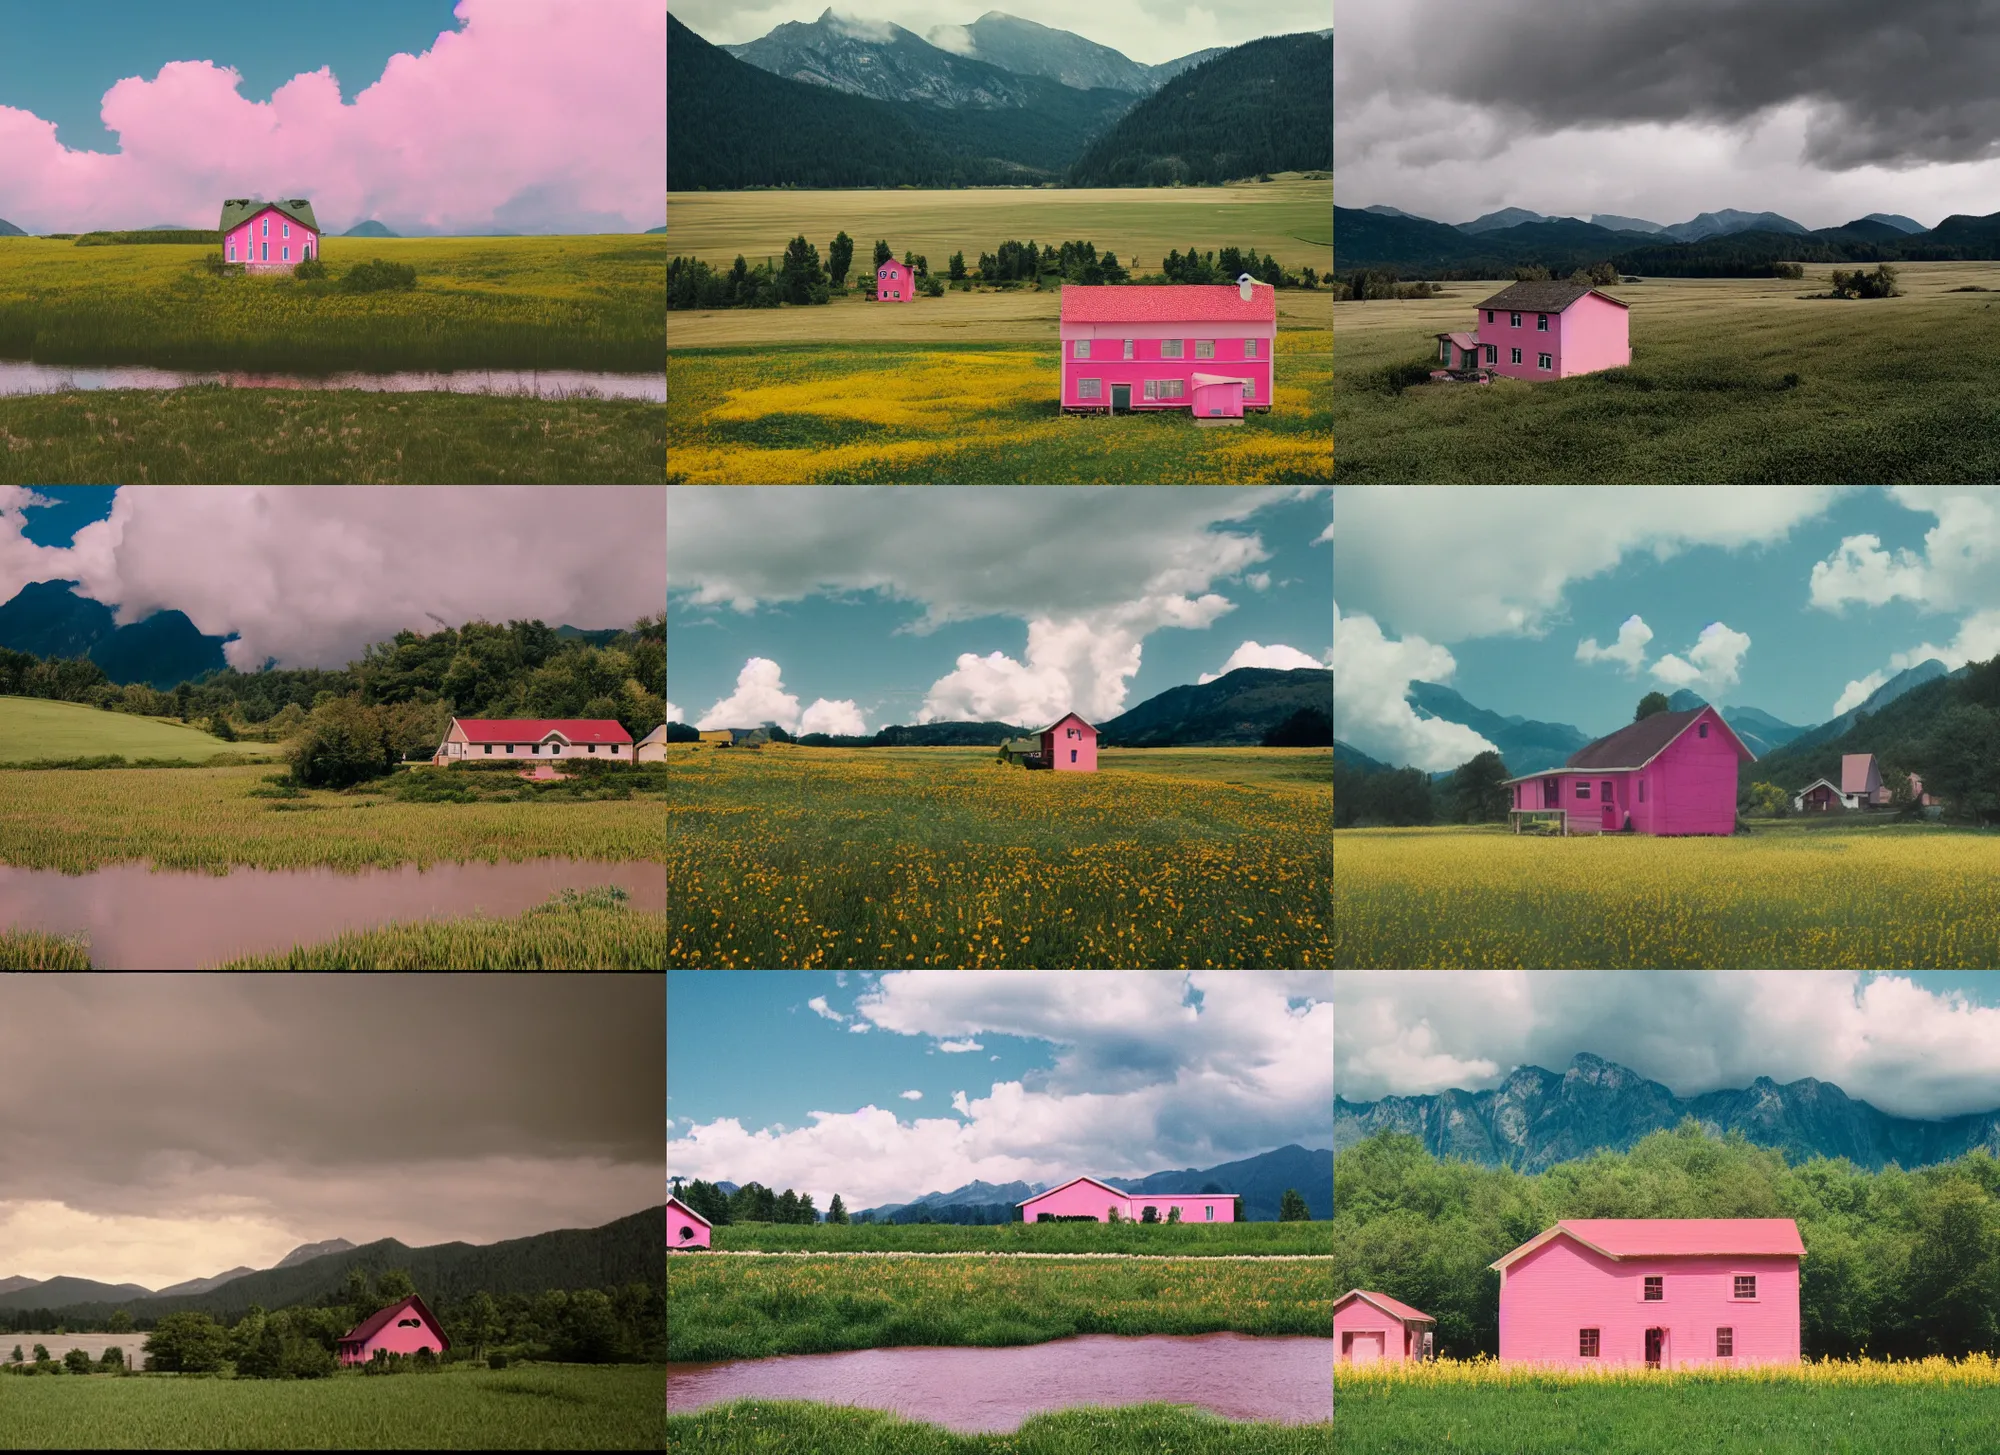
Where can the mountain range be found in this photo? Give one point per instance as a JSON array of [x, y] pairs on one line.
[[48, 619], [1537, 1118], [370, 228], [1235, 710], [7, 229]]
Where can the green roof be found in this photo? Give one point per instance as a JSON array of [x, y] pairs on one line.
[[238, 209]]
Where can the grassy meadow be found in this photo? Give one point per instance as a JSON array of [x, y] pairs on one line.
[[553, 1407], [34, 728], [800, 1427], [1732, 381], [1882, 897], [1185, 1240], [747, 1308], [824, 858]]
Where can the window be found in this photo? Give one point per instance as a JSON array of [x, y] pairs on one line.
[[489, 747], [593, 747], [1072, 755], [1444, 350], [1209, 1208], [1586, 1343], [267, 227], [1172, 348], [1090, 388], [1746, 1285], [1656, 1289], [1249, 348], [1642, 790], [1204, 348], [510, 747], [1489, 315], [1725, 1343], [1541, 323], [1492, 354], [1166, 388], [1582, 789], [285, 254], [1513, 320], [1249, 388], [286, 228], [1702, 731], [1082, 348], [1517, 355], [1552, 793], [1128, 348], [1604, 788], [534, 747], [267, 253], [555, 747], [1544, 361]]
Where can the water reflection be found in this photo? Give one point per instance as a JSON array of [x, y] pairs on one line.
[[18, 376]]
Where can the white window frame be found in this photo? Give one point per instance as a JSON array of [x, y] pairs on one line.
[[286, 229], [1517, 355], [1513, 320], [1642, 1288], [1545, 360], [1090, 388], [1177, 346], [284, 252], [1128, 348], [1541, 323], [1082, 349], [1753, 1298], [1249, 348], [1204, 348]]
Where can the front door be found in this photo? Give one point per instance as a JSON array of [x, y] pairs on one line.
[[1611, 819], [1121, 398], [1364, 1347], [1656, 1343]]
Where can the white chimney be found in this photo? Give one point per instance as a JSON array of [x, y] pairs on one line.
[[1243, 281]]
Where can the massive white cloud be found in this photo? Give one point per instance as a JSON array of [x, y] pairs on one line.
[[760, 698], [1860, 570], [1255, 654], [1152, 1070], [1371, 681], [1713, 665], [674, 714], [1629, 651], [1883, 1039], [840, 716]]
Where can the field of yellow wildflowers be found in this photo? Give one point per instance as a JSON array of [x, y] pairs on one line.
[[1925, 1407], [1875, 898], [824, 858]]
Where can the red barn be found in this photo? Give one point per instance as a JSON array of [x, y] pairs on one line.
[[1671, 773], [402, 1328]]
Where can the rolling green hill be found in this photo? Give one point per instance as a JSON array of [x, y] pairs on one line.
[[35, 727]]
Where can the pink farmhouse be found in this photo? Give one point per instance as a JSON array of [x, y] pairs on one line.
[[895, 283], [1196, 346], [1671, 773], [497, 740], [687, 1230], [1371, 1327], [1671, 1293], [1543, 331], [1069, 744], [1087, 1197], [268, 237], [402, 1328]]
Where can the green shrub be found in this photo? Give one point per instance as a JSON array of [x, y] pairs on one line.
[[376, 276], [309, 269], [77, 1361]]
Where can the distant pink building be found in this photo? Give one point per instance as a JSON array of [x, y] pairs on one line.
[[1543, 331], [1371, 1327], [1087, 1197], [1671, 1293], [402, 1328], [895, 282], [268, 237], [1069, 745], [1671, 773], [687, 1229], [1198, 346]]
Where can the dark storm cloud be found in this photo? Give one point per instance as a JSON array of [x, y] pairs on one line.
[[1894, 85]]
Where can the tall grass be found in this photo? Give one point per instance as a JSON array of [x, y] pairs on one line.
[[1191, 1240], [573, 931], [799, 1427], [33, 950]]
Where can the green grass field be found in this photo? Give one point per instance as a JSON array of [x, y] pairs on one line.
[[747, 1308], [555, 1407], [1894, 390], [1188, 1240], [1784, 896], [823, 858], [798, 1427], [35, 727]]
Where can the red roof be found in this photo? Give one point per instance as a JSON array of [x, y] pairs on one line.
[[534, 729], [1675, 1237], [1168, 303], [380, 1319], [1387, 1304]]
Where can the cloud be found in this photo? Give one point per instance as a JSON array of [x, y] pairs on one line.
[[1711, 665], [1978, 640], [819, 1007], [1259, 580], [1883, 1038], [760, 697], [954, 38], [1325, 535], [674, 714], [833, 717], [1862, 571], [1371, 683], [912, 1095], [1629, 651], [502, 122], [861, 1028], [1252, 654], [955, 1046], [1858, 692]]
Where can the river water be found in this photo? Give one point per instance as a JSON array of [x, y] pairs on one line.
[[181, 920], [18, 376], [1237, 1376]]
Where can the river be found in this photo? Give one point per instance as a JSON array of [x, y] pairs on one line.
[[18, 376]]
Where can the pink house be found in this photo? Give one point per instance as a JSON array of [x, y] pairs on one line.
[[895, 282], [1069, 744], [1087, 1197], [687, 1230], [268, 237], [1543, 331], [1671, 773], [1371, 1327], [1672, 1293], [1196, 346], [402, 1328]]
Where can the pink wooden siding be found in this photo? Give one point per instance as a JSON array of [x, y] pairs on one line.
[[894, 283], [1363, 1334], [1244, 347], [1082, 1198], [1689, 787], [1592, 333], [407, 1328], [1070, 746], [684, 1230], [261, 242]]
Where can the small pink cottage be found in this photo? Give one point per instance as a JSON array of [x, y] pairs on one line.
[[1671, 773], [268, 237], [1086, 1197], [687, 1230], [1069, 744], [1198, 346], [895, 283], [1372, 1327], [1544, 331], [402, 1328], [1667, 1292]]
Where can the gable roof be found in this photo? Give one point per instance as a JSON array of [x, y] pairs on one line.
[[1388, 1305], [1462, 339], [1550, 297], [1816, 783], [1618, 1238], [657, 735], [1060, 721], [1168, 303], [538, 729], [1201, 380], [379, 1320], [241, 209], [891, 263], [1071, 1183], [676, 1202], [1855, 771], [1638, 744]]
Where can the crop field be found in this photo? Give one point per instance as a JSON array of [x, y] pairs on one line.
[[1289, 217], [1883, 898], [1187, 1240], [746, 1308], [824, 858], [1732, 381], [558, 1407], [208, 818], [35, 727], [1929, 1407], [799, 1427]]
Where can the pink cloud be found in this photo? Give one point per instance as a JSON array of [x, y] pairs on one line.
[[536, 116]]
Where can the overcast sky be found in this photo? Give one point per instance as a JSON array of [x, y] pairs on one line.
[[166, 1127], [1149, 31], [1822, 110]]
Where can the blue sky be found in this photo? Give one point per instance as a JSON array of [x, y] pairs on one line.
[[1022, 1075], [1085, 598], [70, 509], [1811, 598]]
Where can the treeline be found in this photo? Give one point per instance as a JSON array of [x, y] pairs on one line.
[[755, 1203], [1899, 1264], [1476, 792]]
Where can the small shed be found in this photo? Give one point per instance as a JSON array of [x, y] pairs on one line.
[[402, 1328], [1069, 744], [652, 748], [1218, 399], [1018, 750], [687, 1230], [1818, 796], [1372, 1327]]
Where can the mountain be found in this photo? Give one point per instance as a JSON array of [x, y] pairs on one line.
[[7, 229], [1526, 745], [1165, 71], [1382, 210], [9, 1285], [1897, 221], [1728, 220], [1505, 217], [1355, 758], [1235, 710], [1028, 49], [1537, 1118], [1420, 247], [1928, 670], [879, 59], [49, 619], [306, 1252], [1624, 224], [651, 230], [975, 1203], [370, 228], [1761, 732], [601, 636], [203, 1285], [56, 1293], [1262, 107]]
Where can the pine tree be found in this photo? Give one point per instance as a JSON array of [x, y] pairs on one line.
[[836, 1211], [1292, 1208], [839, 258]]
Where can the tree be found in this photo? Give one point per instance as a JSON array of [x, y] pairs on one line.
[[41, 1353], [588, 1332], [839, 258], [882, 254], [807, 1212], [1150, 1215], [836, 1211], [1952, 1279], [120, 1322], [482, 1322], [219, 726], [393, 1287], [1651, 703], [342, 745], [788, 1207], [1111, 1215], [1478, 790], [112, 1360], [801, 271], [358, 1296], [957, 266], [77, 1361], [15, 1357], [260, 1350], [1309, 275], [1767, 800], [931, 287], [1174, 1213], [1292, 1207], [1960, 760], [187, 1343]]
